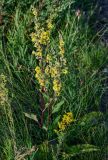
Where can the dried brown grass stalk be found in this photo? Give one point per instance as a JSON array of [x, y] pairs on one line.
[[21, 155]]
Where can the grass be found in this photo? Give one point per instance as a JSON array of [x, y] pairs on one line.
[[83, 87]]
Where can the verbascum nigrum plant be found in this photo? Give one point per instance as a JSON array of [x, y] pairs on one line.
[[51, 65]]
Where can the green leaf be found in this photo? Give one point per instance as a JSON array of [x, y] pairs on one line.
[[57, 107], [31, 116], [91, 119], [46, 97], [56, 120], [45, 128], [79, 149]]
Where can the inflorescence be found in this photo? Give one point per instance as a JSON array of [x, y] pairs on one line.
[[67, 119], [51, 66]]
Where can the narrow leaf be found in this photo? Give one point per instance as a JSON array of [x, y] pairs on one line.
[[79, 149], [57, 107], [31, 116]]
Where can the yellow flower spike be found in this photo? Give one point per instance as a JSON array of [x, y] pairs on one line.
[[67, 119], [51, 66]]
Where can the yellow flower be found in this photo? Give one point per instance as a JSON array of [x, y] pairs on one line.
[[36, 44], [66, 120], [41, 82], [47, 70], [48, 58], [54, 72], [64, 71], [33, 37], [34, 11], [55, 81], [39, 54], [61, 126], [37, 69], [33, 52], [36, 76], [49, 24]]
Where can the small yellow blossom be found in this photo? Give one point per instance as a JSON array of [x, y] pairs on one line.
[[36, 44], [33, 37], [65, 71], [40, 77], [37, 69], [49, 24], [48, 58], [33, 52], [54, 72], [39, 54], [47, 70]]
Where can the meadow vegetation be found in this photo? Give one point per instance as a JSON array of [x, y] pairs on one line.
[[53, 74]]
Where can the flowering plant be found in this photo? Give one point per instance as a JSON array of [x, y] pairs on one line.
[[52, 64]]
